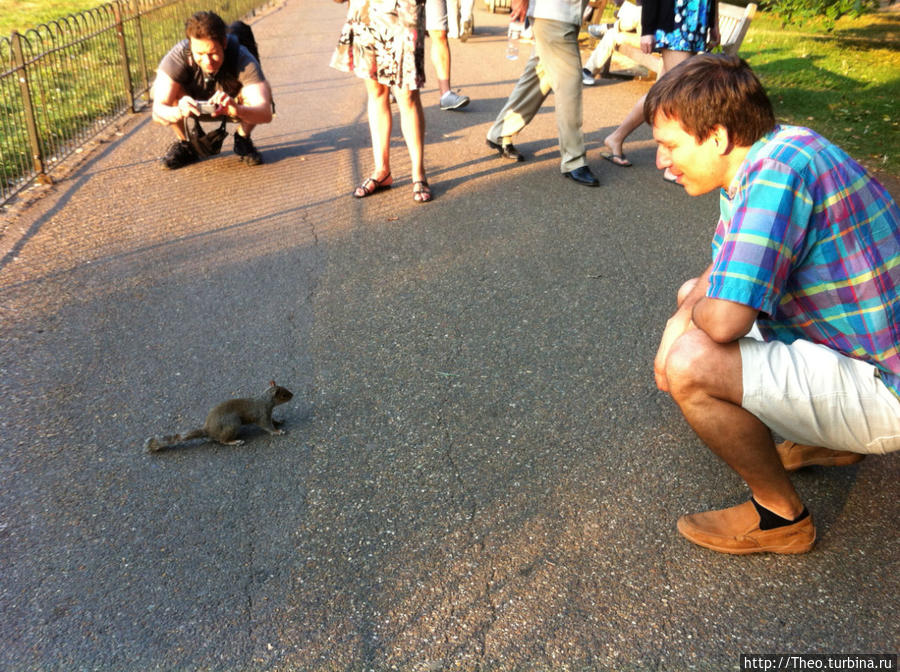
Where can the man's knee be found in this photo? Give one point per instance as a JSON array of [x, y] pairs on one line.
[[696, 363]]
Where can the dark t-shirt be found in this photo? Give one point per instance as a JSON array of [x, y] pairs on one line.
[[238, 70]]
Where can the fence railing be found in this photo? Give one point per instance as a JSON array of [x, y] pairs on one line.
[[61, 83]]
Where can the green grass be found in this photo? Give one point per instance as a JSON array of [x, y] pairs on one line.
[[843, 83], [21, 15]]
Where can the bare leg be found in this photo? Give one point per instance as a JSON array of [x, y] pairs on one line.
[[705, 381], [635, 117], [412, 123], [380, 124], [440, 58]]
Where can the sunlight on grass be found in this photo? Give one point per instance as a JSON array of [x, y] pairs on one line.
[[21, 15], [844, 84]]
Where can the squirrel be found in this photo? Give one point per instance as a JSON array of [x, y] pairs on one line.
[[225, 420]]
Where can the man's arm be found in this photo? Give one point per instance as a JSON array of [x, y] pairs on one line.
[[723, 321], [167, 96]]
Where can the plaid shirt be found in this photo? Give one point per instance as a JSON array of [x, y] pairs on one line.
[[810, 240]]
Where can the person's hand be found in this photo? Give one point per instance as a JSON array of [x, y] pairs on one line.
[[225, 105], [714, 38], [518, 10], [677, 325], [647, 42], [186, 107]]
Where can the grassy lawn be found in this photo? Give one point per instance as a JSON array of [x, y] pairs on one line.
[[845, 84], [23, 14]]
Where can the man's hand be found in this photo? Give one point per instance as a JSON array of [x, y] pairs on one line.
[[226, 106], [647, 43], [677, 325], [187, 106], [689, 294]]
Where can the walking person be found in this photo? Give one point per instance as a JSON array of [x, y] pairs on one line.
[[555, 65], [679, 29]]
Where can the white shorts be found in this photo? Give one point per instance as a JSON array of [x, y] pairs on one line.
[[436, 15], [811, 394]]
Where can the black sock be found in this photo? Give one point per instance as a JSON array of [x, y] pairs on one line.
[[769, 520]]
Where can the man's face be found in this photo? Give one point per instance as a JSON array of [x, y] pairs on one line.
[[208, 55], [696, 164]]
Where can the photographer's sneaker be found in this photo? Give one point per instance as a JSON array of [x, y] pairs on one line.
[[453, 101], [244, 148], [180, 154]]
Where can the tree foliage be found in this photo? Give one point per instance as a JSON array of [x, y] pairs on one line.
[[830, 10]]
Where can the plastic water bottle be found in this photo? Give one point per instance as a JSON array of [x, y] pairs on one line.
[[512, 43]]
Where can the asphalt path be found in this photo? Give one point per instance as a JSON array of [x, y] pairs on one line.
[[478, 472]]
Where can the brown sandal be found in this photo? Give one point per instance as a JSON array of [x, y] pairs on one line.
[[371, 185], [421, 192]]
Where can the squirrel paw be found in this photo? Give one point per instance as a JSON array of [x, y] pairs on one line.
[[151, 445]]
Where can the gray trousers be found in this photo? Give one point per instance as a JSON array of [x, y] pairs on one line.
[[555, 65]]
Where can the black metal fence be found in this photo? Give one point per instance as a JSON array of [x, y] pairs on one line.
[[61, 83]]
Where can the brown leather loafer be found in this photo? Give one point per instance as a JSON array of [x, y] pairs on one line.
[[736, 530], [796, 455]]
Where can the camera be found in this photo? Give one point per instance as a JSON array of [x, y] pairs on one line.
[[206, 107]]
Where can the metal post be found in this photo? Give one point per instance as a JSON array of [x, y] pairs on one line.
[[142, 57], [123, 48], [37, 156]]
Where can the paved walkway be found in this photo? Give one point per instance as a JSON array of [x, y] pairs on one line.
[[478, 473]]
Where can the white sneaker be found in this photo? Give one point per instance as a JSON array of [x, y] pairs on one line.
[[453, 101], [598, 30], [587, 78]]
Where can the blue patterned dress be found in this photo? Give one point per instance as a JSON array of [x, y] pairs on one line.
[[384, 40], [691, 24]]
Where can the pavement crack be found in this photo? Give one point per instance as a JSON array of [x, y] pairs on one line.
[[488, 625]]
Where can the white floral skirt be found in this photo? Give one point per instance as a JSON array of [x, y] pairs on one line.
[[378, 48]]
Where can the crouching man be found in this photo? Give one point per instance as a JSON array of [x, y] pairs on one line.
[[807, 249], [214, 68]]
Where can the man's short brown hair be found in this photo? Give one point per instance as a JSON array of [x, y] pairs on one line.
[[206, 26], [709, 90]]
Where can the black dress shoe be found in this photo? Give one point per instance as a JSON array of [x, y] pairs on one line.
[[507, 151], [583, 175]]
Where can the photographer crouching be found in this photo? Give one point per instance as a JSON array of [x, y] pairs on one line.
[[213, 74]]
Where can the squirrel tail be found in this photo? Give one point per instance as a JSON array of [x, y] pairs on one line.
[[156, 443]]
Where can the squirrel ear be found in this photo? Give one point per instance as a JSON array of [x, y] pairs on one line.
[[271, 383]]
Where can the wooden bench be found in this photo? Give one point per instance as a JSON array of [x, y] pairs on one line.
[[733, 24]]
